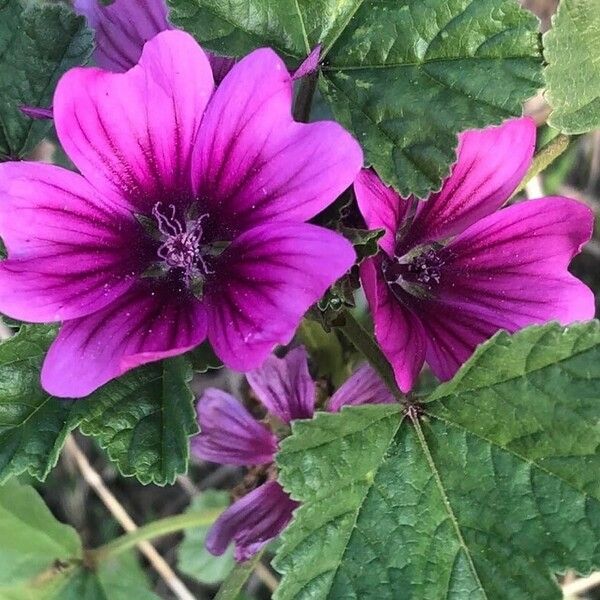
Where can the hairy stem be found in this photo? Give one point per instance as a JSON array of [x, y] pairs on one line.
[[365, 344], [543, 159], [153, 530], [232, 586], [304, 100]]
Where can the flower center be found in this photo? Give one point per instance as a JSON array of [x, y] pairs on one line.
[[417, 272], [181, 242]]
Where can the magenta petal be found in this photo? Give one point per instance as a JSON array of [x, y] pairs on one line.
[[229, 434], [491, 164], [285, 386], [144, 325], [69, 250], [256, 164], [362, 387], [252, 521], [267, 279], [380, 206], [508, 271], [397, 330], [122, 29], [131, 134]]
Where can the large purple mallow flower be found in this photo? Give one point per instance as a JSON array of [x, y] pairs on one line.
[[187, 221], [124, 26], [230, 435], [457, 270]]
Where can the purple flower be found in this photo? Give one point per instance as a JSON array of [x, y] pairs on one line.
[[230, 435], [124, 26], [187, 221], [460, 269]]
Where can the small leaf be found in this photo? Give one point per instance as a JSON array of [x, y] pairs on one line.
[[364, 240], [203, 358], [194, 559], [33, 424], [33, 541], [37, 45], [488, 495], [572, 50], [405, 76], [144, 420]]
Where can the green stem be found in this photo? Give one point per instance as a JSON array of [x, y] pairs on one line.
[[152, 530], [304, 100], [365, 344], [543, 159], [232, 586]]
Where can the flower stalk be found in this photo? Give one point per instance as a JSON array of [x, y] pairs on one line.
[[151, 531], [365, 344]]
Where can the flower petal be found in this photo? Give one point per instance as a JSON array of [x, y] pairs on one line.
[[252, 521], [131, 134], [256, 164], [362, 387], [508, 271], [229, 434], [380, 206], [397, 330], [122, 28], [285, 386], [145, 324], [266, 280], [491, 164], [69, 250]]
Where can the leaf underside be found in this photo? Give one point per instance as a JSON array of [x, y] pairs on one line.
[[493, 492]]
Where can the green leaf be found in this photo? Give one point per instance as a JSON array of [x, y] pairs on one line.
[[489, 494], [203, 358], [33, 541], [33, 424], [144, 420], [405, 76], [37, 45], [364, 240], [572, 50], [117, 579], [194, 559]]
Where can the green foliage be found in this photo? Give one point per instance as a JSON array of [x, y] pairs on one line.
[[144, 420], [116, 579], [405, 76], [42, 559], [572, 50], [33, 424], [194, 559], [32, 540], [203, 358], [488, 494], [37, 45]]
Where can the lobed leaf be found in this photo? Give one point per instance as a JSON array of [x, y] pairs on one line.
[[488, 495], [144, 420], [33, 424], [405, 76], [37, 45]]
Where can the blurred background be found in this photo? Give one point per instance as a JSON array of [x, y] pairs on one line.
[[576, 173]]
